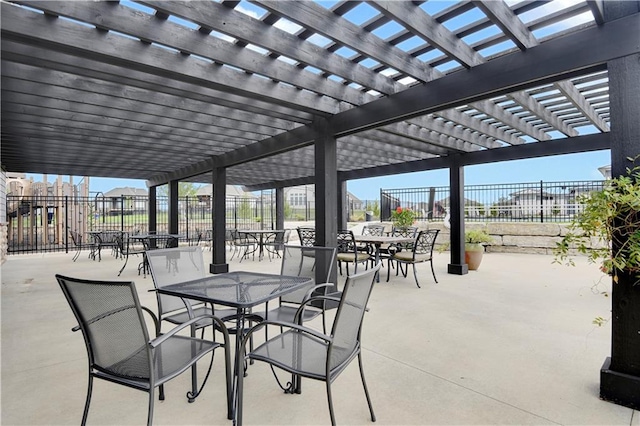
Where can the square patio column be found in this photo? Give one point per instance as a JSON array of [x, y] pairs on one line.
[[280, 208], [173, 207], [219, 221], [326, 181], [456, 196], [343, 206], [153, 210], [620, 373]]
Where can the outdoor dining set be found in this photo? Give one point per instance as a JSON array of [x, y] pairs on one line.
[[121, 349]]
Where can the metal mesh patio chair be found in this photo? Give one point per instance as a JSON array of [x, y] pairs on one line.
[[130, 247], [422, 251], [348, 252], [303, 262], [244, 243], [304, 352], [274, 242], [174, 265], [118, 344], [80, 244]]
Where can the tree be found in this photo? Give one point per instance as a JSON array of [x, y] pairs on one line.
[[184, 189]]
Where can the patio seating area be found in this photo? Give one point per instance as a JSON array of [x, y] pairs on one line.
[[511, 343]]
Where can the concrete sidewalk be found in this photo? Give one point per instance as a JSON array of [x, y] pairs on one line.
[[511, 343]]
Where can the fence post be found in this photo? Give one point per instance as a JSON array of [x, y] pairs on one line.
[[541, 203], [186, 213], [66, 224], [121, 212]]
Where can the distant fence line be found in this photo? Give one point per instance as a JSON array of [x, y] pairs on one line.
[[528, 202], [42, 223]]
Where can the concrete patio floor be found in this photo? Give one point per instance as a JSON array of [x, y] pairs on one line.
[[511, 343]]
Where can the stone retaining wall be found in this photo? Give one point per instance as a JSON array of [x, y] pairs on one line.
[[526, 237]]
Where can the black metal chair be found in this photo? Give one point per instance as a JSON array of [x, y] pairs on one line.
[[377, 230], [348, 252], [307, 236], [422, 251], [303, 262], [391, 249], [304, 352], [118, 344]]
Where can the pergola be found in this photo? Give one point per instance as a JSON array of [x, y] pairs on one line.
[[270, 94]]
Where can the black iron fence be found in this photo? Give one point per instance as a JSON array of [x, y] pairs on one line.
[[529, 202], [42, 223]]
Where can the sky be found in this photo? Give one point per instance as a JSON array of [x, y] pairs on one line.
[[572, 167]]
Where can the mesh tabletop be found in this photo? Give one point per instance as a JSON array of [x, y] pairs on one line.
[[237, 289]]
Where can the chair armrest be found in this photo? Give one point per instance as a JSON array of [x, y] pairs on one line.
[[298, 316], [283, 324], [314, 288], [162, 338]]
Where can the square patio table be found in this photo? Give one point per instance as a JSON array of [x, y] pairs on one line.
[[240, 290]]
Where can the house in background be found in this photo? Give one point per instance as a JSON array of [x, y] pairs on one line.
[[125, 199], [300, 197], [606, 171], [233, 192]]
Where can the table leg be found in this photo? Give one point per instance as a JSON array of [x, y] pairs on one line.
[[377, 258]]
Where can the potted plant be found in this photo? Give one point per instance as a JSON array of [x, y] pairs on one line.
[[474, 241], [403, 218]]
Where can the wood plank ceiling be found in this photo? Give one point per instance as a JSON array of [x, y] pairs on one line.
[[159, 89]]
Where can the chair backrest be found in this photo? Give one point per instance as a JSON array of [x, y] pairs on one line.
[[346, 242], [377, 230], [171, 266], [304, 262], [425, 242], [76, 238], [348, 321], [110, 317], [307, 236], [410, 231]]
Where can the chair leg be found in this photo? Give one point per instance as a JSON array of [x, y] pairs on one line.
[[88, 401], [415, 274], [433, 271], [333, 418], [239, 384], [366, 390], [150, 415]]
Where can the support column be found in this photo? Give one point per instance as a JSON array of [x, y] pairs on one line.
[[219, 220], [153, 210], [620, 374], [456, 185], [173, 207], [326, 181], [343, 206], [279, 208]]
